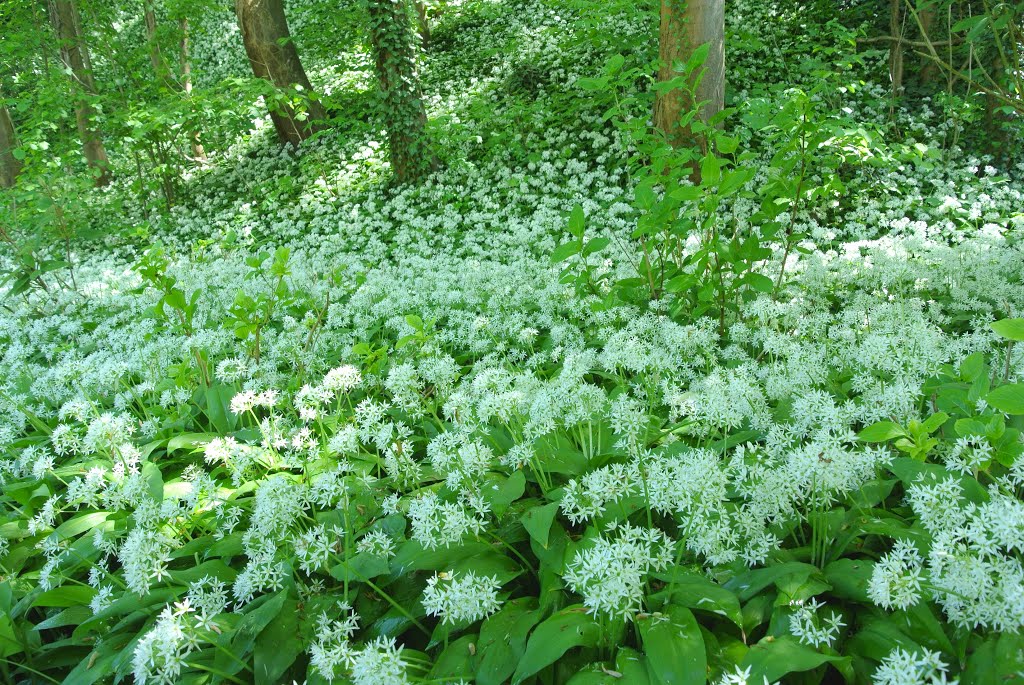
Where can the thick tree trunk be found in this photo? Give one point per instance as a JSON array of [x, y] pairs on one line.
[[273, 57], [10, 167], [198, 152], [685, 26], [404, 114], [75, 56]]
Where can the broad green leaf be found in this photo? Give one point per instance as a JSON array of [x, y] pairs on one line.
[[595, 245], [500, 492], [772, 658], [537, 522], [503, 640], [696, 591], [849, 578], [632, 665], [759, 282], [564, 251], [1011, 329], [570, 627], [67, 596], [577, 222], [278, 645], [674, 646], [1007, 398], [881, 432], [457, 662]]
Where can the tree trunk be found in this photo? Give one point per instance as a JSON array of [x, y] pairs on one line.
[[198, 152], [75, 56], [424, 24], [404, 114], [273, 56], [927, 69], [896, 47], [684, 27], [10, 167], [156, 58]]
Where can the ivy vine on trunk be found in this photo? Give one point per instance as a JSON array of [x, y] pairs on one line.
[[401, 103]]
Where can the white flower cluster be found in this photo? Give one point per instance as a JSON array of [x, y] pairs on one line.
[[920, 667], [462, 597], [333, 655], [611, 571]]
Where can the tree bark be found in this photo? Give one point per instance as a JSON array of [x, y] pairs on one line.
[[273, 57], [684, 27], [10, 167], [896, 47], [424, 24], [198, 152], [75, 56], [405, 117], [156, 57]]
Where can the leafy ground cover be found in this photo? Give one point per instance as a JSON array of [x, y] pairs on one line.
[[512, 426]]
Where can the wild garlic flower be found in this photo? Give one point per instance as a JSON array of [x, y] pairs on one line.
[[896, 577], [377, 543], [467, 598], [610, 573], [920, 667], [811, 628]]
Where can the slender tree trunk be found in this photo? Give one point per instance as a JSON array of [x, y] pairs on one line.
[[75, 56], [156, 57], [404, 114], [896, 47], [10, 167], [684, 27], [273, 56], [198, 152], [424, 24]]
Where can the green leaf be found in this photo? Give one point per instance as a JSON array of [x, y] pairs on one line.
[[772, 658], [759, 282], [696, 591], [1011, 329], [849, 578], [278, 645], [67, 596], [457, 662], [674, 646], [564, 251], [633, 667], [570, 627], [595, 245], [881, 432], [727, 144], [577, 221], [500, 492], [503, 640], [592, 83], [614, 64], [1007, 398], [537, 522]]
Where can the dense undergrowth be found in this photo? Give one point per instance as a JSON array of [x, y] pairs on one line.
[[310, 426]]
